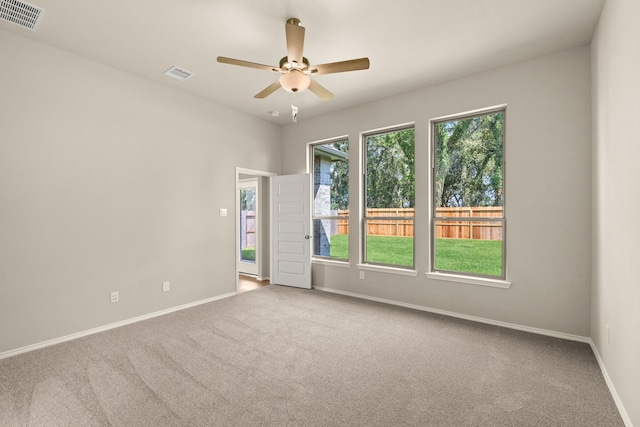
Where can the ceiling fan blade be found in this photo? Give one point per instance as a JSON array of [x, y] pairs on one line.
[[342, 66], [269, 90], [242, 63], [322, 92], [295, 40]]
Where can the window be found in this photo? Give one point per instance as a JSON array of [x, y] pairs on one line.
[[468, 226], [389, 198], [331, 199], [248, 225]]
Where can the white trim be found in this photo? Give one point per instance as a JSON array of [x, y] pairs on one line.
[[390, 270], [256, 172], [385, 129], [76, 335], [495, 283], [523, 328], [616, 398], [470, 113]]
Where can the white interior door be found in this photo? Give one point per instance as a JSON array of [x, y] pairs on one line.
[[249, 227], [291, 230]]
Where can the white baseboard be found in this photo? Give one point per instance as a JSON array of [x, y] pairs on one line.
[[76, 335], [612, 389], [546, 332]]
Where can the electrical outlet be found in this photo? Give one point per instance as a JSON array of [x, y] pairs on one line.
[[166, 286], [362, 274], [114, 297], [223, 212]]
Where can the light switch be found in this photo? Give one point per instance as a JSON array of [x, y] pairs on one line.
[[223, 212]]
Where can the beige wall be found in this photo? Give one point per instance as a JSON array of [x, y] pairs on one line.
[[616, 208], [111, 183], [548, 152]]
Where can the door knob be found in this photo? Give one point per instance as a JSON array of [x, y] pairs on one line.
[[307, 237]]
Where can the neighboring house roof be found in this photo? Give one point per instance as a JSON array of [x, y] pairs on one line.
[[332, 153]]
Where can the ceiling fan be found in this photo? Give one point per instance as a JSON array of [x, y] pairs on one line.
[[295, 69]]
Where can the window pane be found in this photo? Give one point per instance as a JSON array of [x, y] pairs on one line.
[[465, 255], [468, 162], [248, 224], [389, 242], [330, 238], [468, 183], [330, 178], [390, 170], [390, 197], [331, 199]]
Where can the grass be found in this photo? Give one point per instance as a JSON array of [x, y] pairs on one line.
[[390, 250], [340, 246], [249, 254], [380, 249], [469, 256], [460, 255]]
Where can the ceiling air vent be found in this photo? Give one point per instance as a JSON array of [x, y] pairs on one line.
[[21, 13], [178, 73]]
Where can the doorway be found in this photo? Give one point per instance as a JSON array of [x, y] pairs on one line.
[[249, 211], [252, 229]]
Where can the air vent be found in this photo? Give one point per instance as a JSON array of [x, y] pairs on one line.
[[21, 13], [178, 73]]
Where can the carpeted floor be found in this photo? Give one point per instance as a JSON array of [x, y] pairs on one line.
[[280, 356]]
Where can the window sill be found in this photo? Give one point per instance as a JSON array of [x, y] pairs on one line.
[[494, 283], [331, 262], [390, 270]]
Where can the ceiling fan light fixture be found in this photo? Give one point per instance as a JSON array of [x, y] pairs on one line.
[[295, 81]]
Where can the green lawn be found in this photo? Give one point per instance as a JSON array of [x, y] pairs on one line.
[[469, 256], [390, 250], [249, 254], [461, 255]]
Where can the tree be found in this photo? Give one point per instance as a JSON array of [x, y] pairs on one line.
[[248, 199], [468, 163], [340, 178], [391, 169]]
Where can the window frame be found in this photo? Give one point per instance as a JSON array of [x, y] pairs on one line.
[[459, 276], [314, 217], [364, 264]]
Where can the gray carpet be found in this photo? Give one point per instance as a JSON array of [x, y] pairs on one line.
[[281, 356]]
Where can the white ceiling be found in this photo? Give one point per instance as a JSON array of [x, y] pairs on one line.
[[411, 43]]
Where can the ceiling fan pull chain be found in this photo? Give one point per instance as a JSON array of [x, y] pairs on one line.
[[294, 113]]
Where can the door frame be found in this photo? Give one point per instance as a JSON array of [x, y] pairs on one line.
[[261, 260]]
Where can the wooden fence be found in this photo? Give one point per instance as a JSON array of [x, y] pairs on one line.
[[247, 229], [478, 230], [454, 229]]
